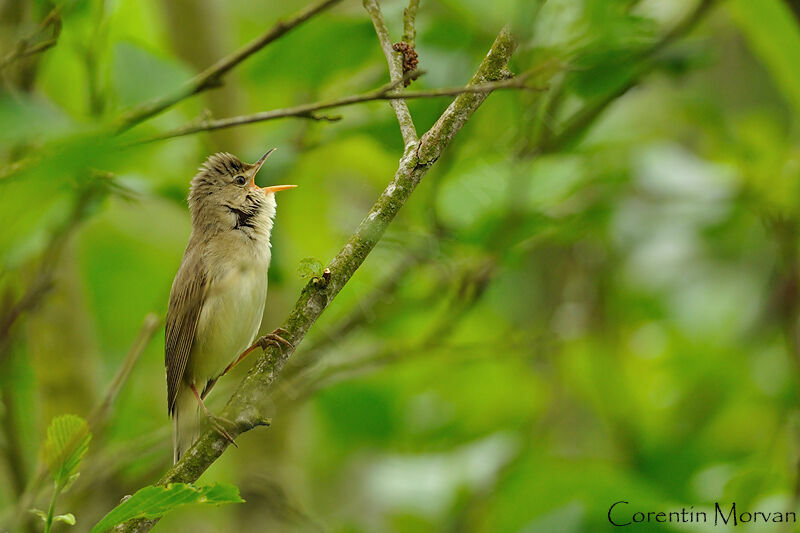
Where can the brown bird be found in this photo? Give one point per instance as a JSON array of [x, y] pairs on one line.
[[218, 295]]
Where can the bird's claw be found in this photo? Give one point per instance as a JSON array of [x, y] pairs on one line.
[[274, 338], [218, 424]]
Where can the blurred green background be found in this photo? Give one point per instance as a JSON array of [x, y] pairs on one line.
[[591, 297]]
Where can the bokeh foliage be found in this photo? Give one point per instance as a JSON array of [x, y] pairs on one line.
[[579, 310]]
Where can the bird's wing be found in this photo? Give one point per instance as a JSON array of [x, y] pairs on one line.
[[185, 303]]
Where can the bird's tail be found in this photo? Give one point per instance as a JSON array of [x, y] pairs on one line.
[[184, 421]]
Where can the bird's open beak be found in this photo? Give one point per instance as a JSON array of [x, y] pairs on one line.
[[274, 188], [261, 161]]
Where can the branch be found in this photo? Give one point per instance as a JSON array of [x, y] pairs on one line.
[[407, 128], [100, 413], [469, 288], [579, 123], [207, 79], [212, 76], [362, 311], [42, 280], [246, 405], [409, 20], [387, 92], [25, 49]]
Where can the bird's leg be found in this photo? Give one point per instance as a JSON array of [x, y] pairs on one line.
[[263, 342], [214, 420]]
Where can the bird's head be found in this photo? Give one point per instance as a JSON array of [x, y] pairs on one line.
[[224, 195]]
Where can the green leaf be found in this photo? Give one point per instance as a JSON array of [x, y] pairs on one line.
[[68, 518], [774, 35], [70, 481], [153, 502], [310, 268], [38, 512], [67, 442]]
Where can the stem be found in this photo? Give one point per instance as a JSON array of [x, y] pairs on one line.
[[43, 279], [48, 525], [99, 414]]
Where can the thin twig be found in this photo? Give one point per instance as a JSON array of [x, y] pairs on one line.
[[302, 387], [24, 49], [42, 280], [245, 408], [395, 63], [468, 291], [409, 22], [212, 76], [308, 110], [209, 78], [100, 413], [577, 124]]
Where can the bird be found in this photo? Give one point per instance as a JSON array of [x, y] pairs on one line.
[[219, 293]]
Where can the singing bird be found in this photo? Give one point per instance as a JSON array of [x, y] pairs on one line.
[[218, 295]]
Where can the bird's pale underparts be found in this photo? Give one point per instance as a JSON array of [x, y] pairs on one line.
[[219, 293]]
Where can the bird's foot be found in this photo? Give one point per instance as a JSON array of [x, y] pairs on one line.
[[263, 342], [276, 339], [218, 424]]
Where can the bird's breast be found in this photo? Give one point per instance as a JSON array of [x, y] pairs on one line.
[[232, 311]]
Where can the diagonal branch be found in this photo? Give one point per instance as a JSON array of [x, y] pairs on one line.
[[212, 76], [24, 48], [43, 279], [209, 78], [361, 312], [407, 128], [245, 408], [99, 415], [470, 289], [577, 124]]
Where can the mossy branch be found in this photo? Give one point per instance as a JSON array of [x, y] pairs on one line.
[[246, 407]]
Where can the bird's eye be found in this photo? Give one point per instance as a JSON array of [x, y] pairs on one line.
[[240, 180]]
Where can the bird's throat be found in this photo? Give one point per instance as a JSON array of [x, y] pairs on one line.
[[243, 218]]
